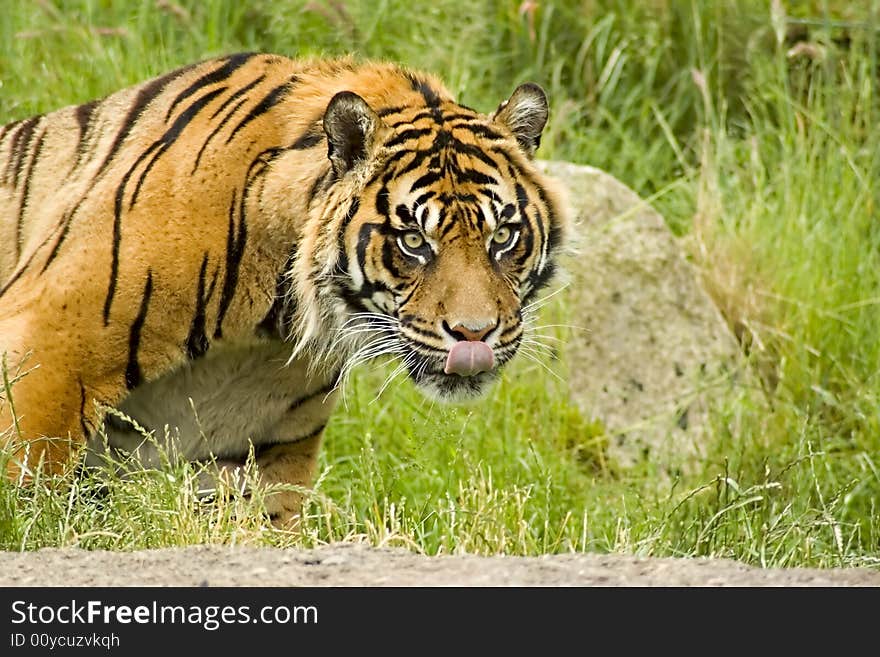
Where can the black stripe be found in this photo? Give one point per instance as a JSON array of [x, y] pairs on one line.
[[432, 99], [233, 63], [19, 229], [389, 172], [538, 281], [341, 245], [444, 214], [449, 117], [388, 111], [406, 135], [421, 200], [424, 181], [323, 390], [83, 115], [476, 177], [513, 328], [407, 298], [417, 159], [262, 448], [528, 244], [144, 97], [65, 222], [420, 116], [427, 351], [476, 152], [82, 410], [133, 375], [555, 235], [258, 168], [234, 252], [512, 157], [442, 140], [309, 139], [210, 292], [527, 238], [214, 132], [9, 126], [473, 213], [351, 297], [365, 235], [20, 144], [279, 319], [523, 200], [226, 118], [405, 216], [349, 215], [322, 182], [492, 196], [368, 288], [341, 269], [388, 251], [272, 98], [422, 332], [197, 341], [23, 268], [479, 130], [167, 140], [117, 232], [382, 206], [237, 94]]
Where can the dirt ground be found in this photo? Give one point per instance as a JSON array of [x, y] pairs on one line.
[[357, 565]]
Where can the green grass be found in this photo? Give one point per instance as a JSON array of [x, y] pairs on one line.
[[762, 154]]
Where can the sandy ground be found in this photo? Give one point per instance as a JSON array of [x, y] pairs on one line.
[[356, 565]]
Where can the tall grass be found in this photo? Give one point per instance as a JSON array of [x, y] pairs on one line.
[[752, 125]]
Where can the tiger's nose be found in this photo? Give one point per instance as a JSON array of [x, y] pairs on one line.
[[469, 333]]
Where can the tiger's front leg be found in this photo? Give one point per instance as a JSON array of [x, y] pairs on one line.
[[236, 400], [284, 469], [289, 455], [293, 464]]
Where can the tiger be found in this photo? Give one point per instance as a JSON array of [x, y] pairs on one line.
[[211, 250]]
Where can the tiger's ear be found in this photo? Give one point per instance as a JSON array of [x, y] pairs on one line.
[[351, 127], [525, 115]]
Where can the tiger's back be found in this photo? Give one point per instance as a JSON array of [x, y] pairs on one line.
[[217, 207]]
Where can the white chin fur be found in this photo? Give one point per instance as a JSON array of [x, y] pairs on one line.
[[468, 391]]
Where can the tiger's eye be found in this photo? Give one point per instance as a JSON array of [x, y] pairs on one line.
[[502, 235], [413, 240]]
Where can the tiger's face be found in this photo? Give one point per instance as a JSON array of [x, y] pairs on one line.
[[451, 234]]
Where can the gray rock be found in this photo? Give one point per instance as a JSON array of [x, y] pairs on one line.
[[654, 351]]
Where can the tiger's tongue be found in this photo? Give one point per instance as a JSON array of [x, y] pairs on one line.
[[467, 358]]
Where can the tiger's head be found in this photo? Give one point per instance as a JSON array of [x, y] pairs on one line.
[[435, 233]]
